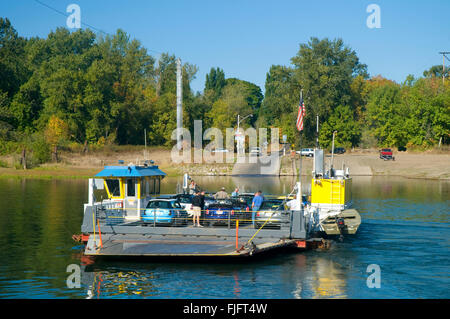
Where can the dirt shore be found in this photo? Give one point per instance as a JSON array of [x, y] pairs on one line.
[[412, 165]]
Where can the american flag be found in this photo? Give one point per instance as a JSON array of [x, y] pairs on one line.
[[301, 114]]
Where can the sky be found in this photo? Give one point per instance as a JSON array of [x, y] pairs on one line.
[[246, 37]]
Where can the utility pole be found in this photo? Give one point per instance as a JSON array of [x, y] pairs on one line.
[[145, 144], [443, 64], [317, 131], [179, 103]]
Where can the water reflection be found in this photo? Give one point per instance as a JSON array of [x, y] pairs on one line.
[[302, 275], [317, 275], [328, 280], [237, 289]]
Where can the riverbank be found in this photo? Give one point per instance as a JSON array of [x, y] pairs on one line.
[[412, 165]]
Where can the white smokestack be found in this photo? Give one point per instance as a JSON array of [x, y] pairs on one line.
[[179, 103]]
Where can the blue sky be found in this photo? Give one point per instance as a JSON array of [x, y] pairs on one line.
[[246, 37]]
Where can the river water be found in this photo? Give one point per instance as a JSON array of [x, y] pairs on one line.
[[405, 231]]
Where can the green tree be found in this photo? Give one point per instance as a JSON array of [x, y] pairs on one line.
[[238, 97], [342, 120], [436, 71], [13, 68], [279, 97], [325, 70], [385, 115], [215, 81]]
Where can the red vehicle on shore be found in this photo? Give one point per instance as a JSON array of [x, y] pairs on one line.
[[386, 154]]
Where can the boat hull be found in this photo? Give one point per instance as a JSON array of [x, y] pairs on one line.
[[352, 220]]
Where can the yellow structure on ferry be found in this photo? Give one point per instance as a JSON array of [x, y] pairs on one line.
[[331, 191], [331, 199]]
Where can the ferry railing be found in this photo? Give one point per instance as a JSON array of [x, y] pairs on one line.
[[110, 215], [282, 219]]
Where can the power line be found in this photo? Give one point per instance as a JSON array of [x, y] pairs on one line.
[[66, 15], [443, 64], [85, 24]]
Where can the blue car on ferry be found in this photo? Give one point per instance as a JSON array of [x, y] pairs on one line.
[[165, 212]]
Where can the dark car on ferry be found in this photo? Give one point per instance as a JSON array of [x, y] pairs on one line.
[[246, 198], [226, 211]]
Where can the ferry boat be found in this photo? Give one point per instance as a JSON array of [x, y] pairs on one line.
[[116, 225]]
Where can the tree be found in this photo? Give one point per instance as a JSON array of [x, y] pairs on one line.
[[325, 69], [55, 133], [385, 115], [13, 70], [215, 81], [280, 104], [238, 97], [436, 71], [279, 95], [342, 120]]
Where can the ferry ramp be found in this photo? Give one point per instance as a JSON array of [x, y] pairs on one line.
[[257, 165]]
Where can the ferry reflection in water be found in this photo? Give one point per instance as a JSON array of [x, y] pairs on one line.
[[303, 275], [123, 284], [316, 276]]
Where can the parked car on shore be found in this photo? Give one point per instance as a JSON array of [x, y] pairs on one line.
[[339, 150], [255, 151], [306, 152], [219, 150], [386, 154], [166, 212]]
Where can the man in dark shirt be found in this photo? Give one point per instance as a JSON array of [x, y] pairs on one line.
[[197, 209]]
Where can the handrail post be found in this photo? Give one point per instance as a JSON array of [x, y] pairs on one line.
[[93, 222], [100, 234], [237, 234]]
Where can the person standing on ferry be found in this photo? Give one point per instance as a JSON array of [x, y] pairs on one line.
[[256, 204], [196, 209]]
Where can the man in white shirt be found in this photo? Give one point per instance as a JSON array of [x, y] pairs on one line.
[[293, 204]]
